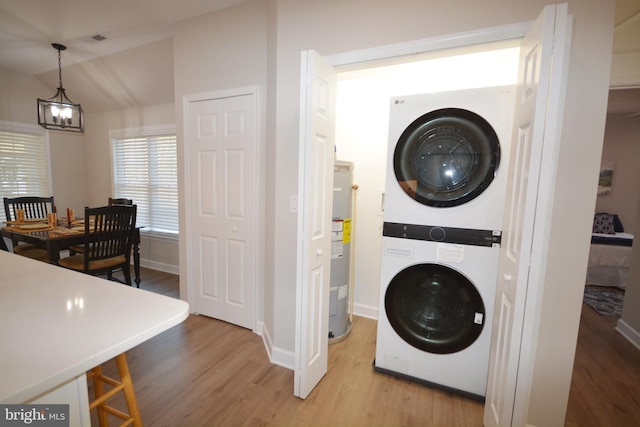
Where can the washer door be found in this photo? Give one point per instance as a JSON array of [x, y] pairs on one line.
[[446, 157], [434, 308]]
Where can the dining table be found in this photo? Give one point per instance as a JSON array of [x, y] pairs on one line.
[[55, 239]]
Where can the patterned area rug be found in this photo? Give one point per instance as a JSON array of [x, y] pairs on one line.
[[605, 302]]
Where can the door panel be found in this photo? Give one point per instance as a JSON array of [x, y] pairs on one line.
[[535, 106], [317, 123], [222, 154]]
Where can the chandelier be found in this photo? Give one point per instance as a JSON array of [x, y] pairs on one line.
[[59, 112]]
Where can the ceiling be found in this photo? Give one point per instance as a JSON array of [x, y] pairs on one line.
[[138, 44]]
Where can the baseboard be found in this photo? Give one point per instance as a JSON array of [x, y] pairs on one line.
[[367, 311], [277, 356], [154, 265], [259, 328], [628, 332]]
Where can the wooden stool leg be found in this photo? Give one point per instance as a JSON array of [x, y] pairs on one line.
[[98, 388], [130, 396]]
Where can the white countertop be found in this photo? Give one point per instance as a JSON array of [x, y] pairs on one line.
[[56, 324]]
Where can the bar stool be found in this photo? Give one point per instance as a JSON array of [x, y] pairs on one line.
[[101, 396]]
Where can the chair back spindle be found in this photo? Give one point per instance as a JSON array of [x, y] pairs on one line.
[[34, 207]]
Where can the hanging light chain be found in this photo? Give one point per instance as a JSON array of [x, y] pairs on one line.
[[59, 69]]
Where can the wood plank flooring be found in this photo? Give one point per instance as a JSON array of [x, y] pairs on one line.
[[605, 388], [205, 372]]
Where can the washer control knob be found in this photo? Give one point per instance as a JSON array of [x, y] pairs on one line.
[[437, 234]]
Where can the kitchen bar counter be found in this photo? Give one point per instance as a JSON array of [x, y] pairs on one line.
[[56, 324]]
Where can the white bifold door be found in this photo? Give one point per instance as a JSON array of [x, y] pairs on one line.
[[221, 149], [537, 117]]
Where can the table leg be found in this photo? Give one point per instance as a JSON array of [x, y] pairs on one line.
[[53, 251], [136, 264]]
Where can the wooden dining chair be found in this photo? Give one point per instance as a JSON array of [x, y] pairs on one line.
[[78, 249], [120, 201], [34, 208], [108, 239]]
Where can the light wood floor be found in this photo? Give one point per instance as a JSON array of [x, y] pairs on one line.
[[205, 372]]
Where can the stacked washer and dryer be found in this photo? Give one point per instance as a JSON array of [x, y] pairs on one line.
[[444, 198]]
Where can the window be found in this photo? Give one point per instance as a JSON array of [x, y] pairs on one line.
[[24, 162], [145, 169]]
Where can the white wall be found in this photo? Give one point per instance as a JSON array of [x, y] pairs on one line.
[[362, 130], [334, 27]]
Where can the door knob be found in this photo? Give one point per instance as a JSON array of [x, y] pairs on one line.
[[319, 252]]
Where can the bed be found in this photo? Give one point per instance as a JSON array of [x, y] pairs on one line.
[[610, 252]]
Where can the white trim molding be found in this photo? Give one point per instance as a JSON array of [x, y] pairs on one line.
[[628, 332]]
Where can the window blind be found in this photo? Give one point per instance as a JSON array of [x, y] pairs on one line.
[[24, 169], [145, 169]]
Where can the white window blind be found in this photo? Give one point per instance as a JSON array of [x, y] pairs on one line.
[[24, 168], [145, 169]]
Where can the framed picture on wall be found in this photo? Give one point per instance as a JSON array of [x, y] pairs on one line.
[[605, 181]]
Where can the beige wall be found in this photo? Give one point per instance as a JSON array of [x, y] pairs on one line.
[[223, 50], [158, 253], [629, 323], [622, 147], [66, 150], [80, 163]]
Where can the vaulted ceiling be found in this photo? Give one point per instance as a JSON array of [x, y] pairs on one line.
[[114, 73]]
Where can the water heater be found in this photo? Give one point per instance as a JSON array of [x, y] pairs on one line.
[[341, 245]]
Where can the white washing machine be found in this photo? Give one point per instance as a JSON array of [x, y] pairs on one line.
[[436, 306], [447, 157]]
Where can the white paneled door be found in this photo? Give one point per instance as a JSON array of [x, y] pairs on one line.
[[317, 128], [539, 101], [221, 155]]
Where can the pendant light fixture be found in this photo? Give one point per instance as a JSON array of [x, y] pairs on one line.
[[59, 112]]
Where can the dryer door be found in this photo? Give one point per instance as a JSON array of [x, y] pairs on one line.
[[434, 308], [446, 157]]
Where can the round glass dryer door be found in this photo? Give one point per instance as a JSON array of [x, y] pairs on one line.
[[446, 157], [434, 308]]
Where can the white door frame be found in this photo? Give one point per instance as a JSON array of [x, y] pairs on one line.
[[258, 278], [408, 49]]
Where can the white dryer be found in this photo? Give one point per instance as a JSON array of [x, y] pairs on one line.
[[445, 159], [436, 306]]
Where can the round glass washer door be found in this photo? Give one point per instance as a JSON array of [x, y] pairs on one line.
[[434, 308], [446, 157]]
